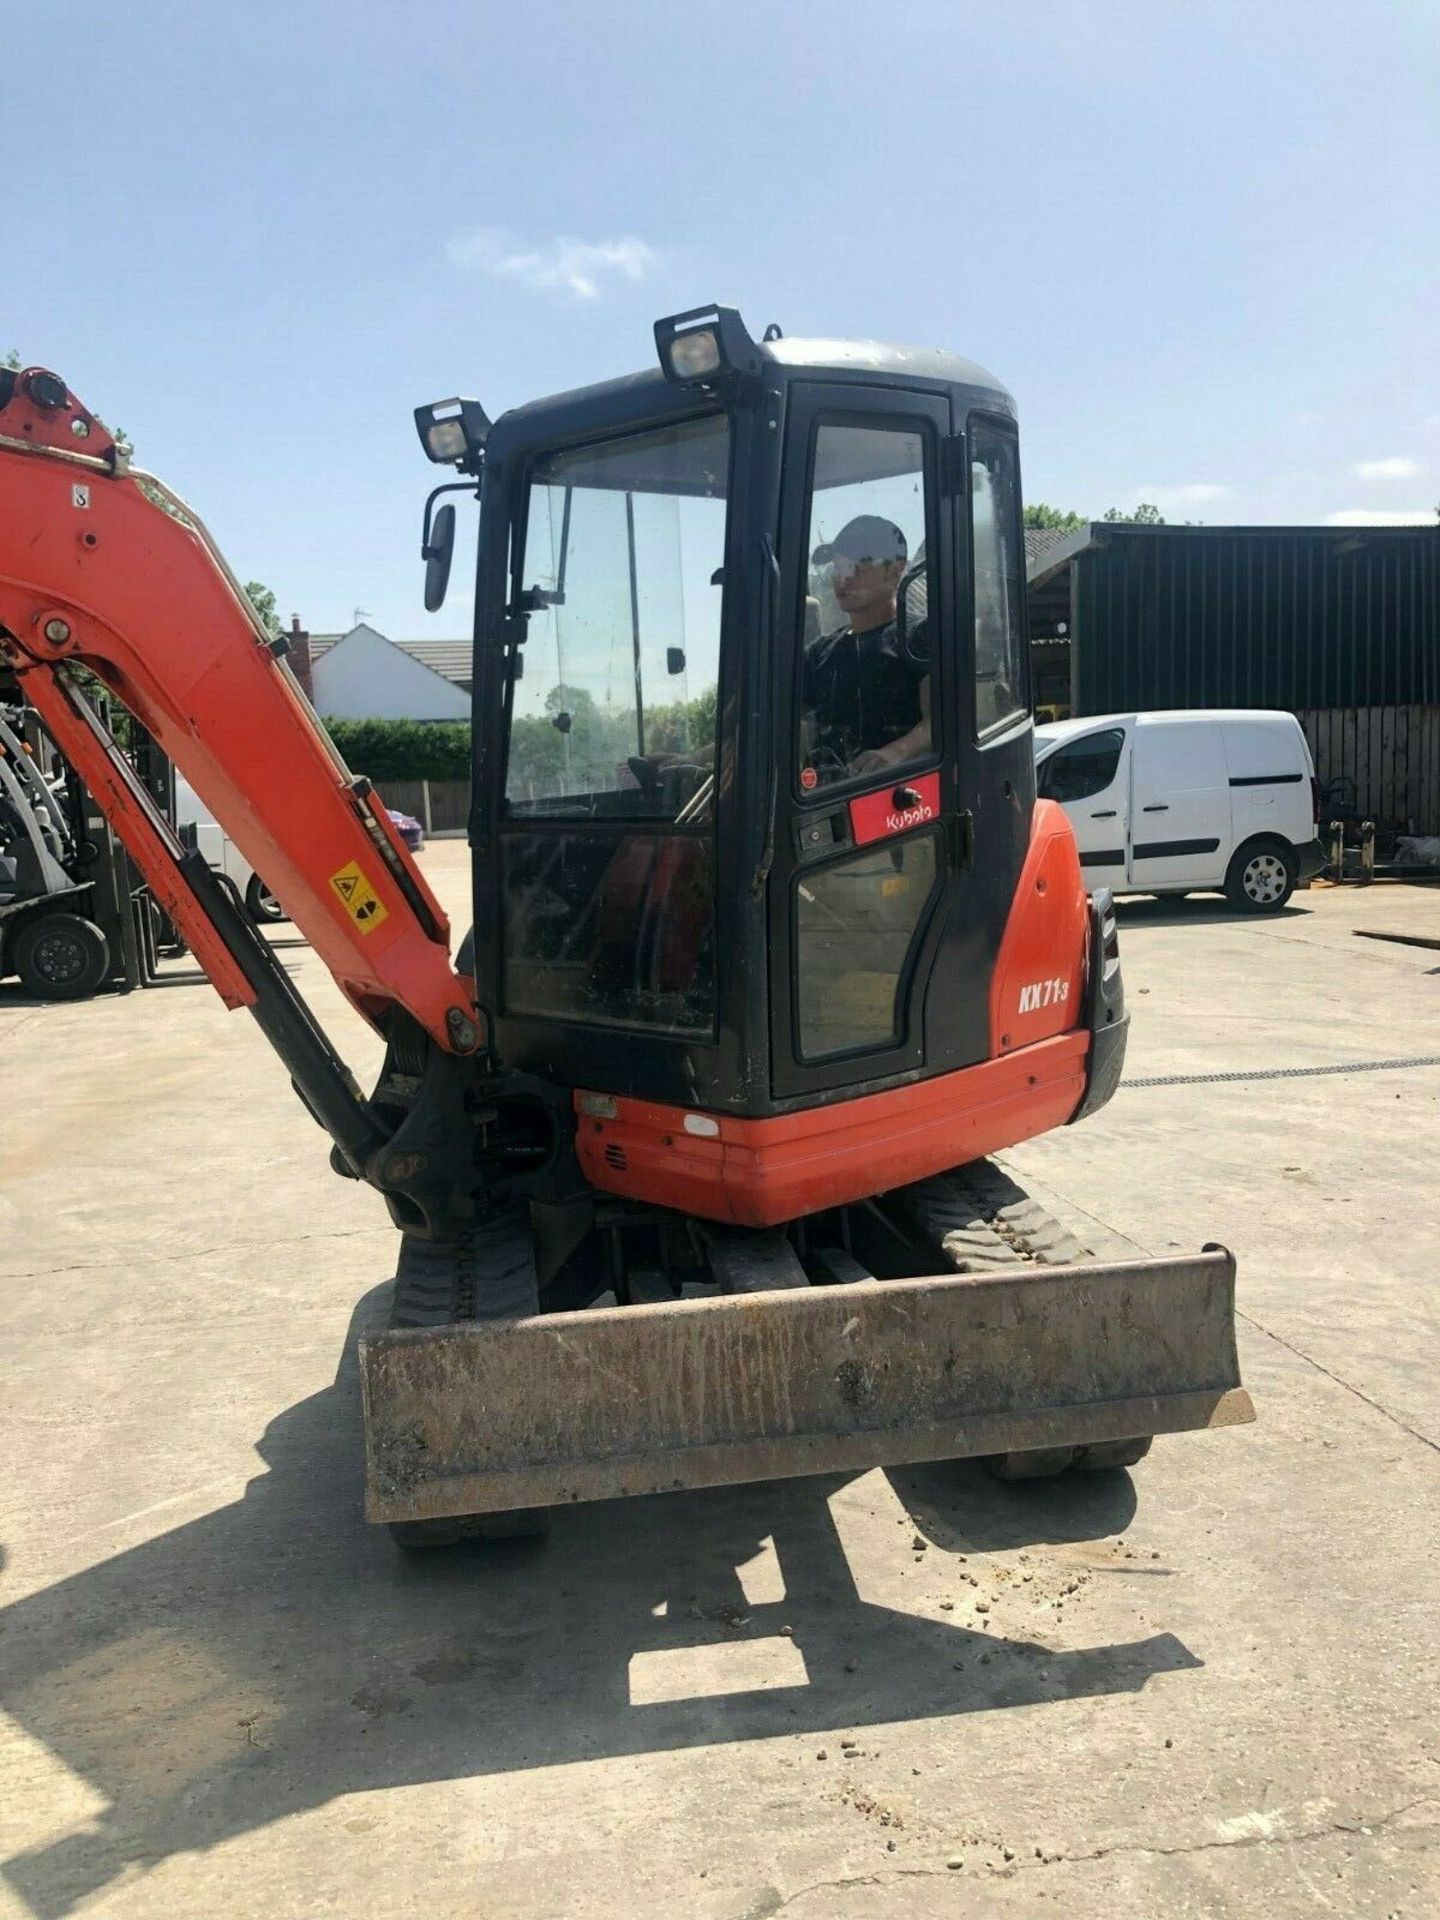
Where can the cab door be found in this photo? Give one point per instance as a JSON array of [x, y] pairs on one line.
[[876, 766]]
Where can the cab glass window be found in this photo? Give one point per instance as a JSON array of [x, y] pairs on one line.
[[614, 713], [1081, 768], [864, 665], [857, 921], [607, 835], [999, 576]]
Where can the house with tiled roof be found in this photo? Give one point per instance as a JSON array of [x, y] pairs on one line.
[[364, 675]]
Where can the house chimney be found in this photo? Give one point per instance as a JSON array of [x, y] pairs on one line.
[[300, 655]]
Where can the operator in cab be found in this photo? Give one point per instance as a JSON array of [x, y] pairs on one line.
[[865, 686]]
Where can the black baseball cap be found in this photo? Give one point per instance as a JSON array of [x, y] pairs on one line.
[[866, 537]]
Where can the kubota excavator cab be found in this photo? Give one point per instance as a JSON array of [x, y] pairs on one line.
[[755, 852]]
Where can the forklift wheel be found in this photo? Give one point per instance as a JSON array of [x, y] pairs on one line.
[[59, 956], [487, 1275], [262, 906]]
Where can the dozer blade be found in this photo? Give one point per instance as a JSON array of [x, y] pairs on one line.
[[699, 1393]]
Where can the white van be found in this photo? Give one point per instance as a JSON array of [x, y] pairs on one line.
[[1186, 802], [223, 855]]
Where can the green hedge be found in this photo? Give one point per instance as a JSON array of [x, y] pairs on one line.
[[543, 759], [404, 749]]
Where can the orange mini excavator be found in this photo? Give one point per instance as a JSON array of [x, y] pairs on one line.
[[773, 944]]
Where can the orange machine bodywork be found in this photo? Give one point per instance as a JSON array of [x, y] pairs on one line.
[[95, 573], [760, 1173], [1038, 984]]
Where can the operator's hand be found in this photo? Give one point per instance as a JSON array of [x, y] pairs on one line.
[[872, 760]]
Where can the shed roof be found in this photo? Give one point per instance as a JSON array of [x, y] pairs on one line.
[[1053, 550]]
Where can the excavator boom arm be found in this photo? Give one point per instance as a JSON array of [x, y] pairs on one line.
[[102, 568]]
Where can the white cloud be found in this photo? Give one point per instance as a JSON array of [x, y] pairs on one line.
[[1431, 420], [1380, 517], [1396, 466], [1307, 417], [577, 267]]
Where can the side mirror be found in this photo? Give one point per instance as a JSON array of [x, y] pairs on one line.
[[437, 554], [674, 660]]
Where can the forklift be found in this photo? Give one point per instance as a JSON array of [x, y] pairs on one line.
[[773, 944], [75, 915]]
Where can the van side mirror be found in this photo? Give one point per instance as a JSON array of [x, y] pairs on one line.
[[437, 553]]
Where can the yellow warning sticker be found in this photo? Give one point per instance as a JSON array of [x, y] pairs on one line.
[[359, 898]]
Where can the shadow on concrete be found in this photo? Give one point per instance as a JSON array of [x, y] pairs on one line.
[[1169, 910], [961, 1508], [279, 1653], [12, 994]]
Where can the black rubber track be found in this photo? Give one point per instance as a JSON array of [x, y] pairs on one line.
[[980, 1221], [486, 1274]]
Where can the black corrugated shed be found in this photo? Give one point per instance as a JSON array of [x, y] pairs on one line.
[[1322, 621]]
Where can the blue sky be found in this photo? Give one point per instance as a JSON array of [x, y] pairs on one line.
[[1197, 241]]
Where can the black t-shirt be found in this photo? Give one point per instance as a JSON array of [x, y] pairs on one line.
[[864, 688]]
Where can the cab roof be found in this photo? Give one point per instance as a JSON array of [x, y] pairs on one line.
[[648, 394]]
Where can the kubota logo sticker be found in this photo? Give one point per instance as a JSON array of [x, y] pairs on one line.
[[359, 898], [1043, 993]]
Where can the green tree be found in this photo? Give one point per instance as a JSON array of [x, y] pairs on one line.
[[1037, 514], [1144, 515], [263, 601], [12, 361]]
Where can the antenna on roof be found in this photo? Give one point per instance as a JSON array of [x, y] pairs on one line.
[[360, 613]]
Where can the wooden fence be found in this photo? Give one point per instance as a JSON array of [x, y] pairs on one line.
[[441, 806], [1392, 754]]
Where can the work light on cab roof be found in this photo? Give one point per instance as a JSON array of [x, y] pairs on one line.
[[702, 346], [453, 432]]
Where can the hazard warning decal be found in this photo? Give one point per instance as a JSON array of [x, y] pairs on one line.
[[359, 898]]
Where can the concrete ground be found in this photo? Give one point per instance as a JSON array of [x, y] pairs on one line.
[[1205, 1689]]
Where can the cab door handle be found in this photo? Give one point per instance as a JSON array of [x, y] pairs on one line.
[[1160, 806], [962, 838], [1108, 814]]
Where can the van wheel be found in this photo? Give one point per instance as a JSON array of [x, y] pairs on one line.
[[1262, 876], [264, 909]]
